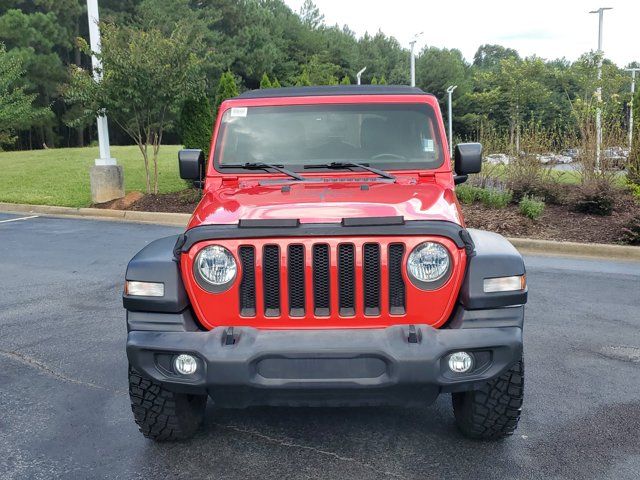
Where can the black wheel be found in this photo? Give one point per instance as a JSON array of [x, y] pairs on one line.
[[163, 415], [493, 411]]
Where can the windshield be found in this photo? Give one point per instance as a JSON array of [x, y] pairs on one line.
[[387, 136]]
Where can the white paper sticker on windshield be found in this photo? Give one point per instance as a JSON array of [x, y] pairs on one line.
[[239, 111], [427, 145]]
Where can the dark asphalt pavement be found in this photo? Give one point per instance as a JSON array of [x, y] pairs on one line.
[[64, 410]]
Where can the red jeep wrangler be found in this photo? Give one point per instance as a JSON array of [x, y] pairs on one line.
[[327, 264]]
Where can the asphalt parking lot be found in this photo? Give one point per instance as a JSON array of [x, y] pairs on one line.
[[64, 409]]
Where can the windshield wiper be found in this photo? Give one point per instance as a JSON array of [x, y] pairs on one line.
[[343, 165], [264, 166]]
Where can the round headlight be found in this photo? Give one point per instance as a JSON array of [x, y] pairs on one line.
[[216, 266], [428, 262]]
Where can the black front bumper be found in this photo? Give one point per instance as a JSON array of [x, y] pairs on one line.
[[324, 367]]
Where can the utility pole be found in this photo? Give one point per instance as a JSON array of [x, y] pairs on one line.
[[633, 91], [600, 13], [450, 92], [106, 176], [413, 58], [359, 75]]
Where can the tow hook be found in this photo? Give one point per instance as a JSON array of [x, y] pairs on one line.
[[415, 336]]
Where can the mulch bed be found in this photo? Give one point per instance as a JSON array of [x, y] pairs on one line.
[[558, 222]]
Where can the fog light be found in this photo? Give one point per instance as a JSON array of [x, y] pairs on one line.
[[460, 362], [185, 364]]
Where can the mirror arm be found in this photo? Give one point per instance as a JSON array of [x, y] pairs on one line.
[[458, 179]]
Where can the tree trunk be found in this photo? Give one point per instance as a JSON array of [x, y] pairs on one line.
[[143, 150], [156, 149]]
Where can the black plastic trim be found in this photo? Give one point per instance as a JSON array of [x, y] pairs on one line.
[[493, 257], [324, 367], [493, 317], [156, 263], [372, 221], [441, 228], [329, 90], [162, 322], [268, 223]]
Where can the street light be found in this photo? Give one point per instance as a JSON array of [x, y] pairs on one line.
[[633, 90], [359, 74], [600, 13], [450, 92], [106, 177], [413, 58]]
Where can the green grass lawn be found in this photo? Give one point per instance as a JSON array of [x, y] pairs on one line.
[[61, 176]]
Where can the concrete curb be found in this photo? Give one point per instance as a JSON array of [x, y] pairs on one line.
[[575, 249], [159, 218], [525, 245]]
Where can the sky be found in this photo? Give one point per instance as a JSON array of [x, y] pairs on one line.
[[548, 28]]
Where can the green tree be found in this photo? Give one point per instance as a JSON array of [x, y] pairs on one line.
[[227, 88], [310, 15], [374, 80], [514, 92], [16, 106], [436, 70], [303, 79], [382, 81], [265, 82], [34, 36], [147, 76], [196, 122], [489, 56], [345, 80], [275, 83]]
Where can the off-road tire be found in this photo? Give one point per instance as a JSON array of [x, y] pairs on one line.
[[493, 411], [163, 415]]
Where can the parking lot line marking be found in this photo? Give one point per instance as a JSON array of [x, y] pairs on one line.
[[18, 219]]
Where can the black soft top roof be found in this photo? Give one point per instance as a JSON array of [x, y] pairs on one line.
[[330, 90]]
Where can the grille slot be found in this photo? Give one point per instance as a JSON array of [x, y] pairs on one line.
[[346, 279], [321, 287], [397, 290], [271, 280], [371, 278], [295, 272], [248, 282]]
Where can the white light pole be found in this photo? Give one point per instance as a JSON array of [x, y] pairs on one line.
[[359, 75], [94, 39], [106, 176], [413, 58], [450, 92], [633, 91], [600, 13]]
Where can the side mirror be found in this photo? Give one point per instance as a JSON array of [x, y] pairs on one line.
[[191, 164], [467, 160]]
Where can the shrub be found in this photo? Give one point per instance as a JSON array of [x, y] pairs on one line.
[[495, 198], [635, 190], [531, 207], [528, 177], [631, 232], [265, 82], [467, 193], [491, 197], [596, 196]]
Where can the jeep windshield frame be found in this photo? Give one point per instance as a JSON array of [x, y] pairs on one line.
[[389, 136]]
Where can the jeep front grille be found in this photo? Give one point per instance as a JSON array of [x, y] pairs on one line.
[[298, 279]]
